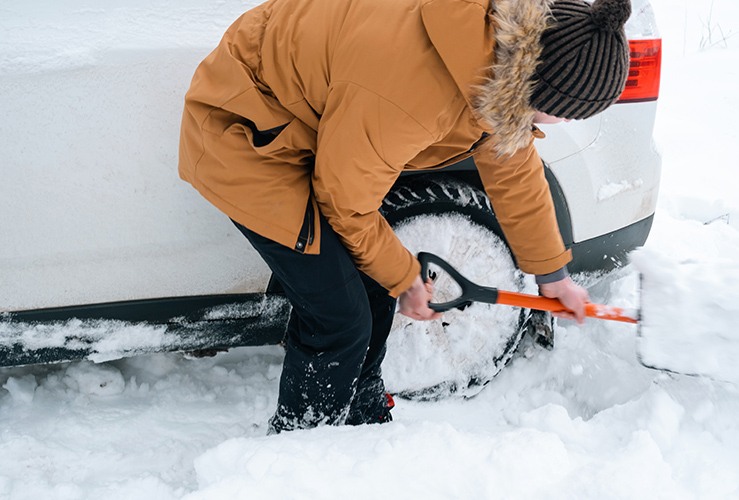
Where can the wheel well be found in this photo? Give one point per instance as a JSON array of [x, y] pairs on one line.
[[466, 172], [439, 193]]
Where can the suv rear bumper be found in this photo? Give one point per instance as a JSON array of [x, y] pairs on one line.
[[609, 251]]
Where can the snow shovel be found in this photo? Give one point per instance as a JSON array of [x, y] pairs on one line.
[[668, 339], [467, 292]]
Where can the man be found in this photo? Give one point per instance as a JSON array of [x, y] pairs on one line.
[[300, 121]]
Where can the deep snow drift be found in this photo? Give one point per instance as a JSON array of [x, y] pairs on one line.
[[585, 420]]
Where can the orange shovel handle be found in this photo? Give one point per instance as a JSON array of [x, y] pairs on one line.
[[472, 292], [598, 311]]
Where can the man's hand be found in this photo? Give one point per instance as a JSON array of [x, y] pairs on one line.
[[414, 302], [572, 296]]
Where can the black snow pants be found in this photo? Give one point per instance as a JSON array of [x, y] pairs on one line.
[[336, 336]]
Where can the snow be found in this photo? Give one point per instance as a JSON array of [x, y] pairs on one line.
[[613, 188], [106, 340], [471, 350], [690, 313], [585, 420]]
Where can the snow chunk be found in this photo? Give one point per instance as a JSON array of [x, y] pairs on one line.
[[96, 380], [21, 389], [614, 188]]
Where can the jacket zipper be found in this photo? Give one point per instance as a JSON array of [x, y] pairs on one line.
[[311, 231], [307, 231]]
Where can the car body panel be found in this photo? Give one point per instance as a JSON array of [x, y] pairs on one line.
[[614, 181], [92, 207]]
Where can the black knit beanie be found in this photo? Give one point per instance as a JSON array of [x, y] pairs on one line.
[[585, 58]]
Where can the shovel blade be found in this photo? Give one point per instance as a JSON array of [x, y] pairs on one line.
[[689, 320]]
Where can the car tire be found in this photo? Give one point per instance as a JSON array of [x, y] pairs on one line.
[[459, 354]]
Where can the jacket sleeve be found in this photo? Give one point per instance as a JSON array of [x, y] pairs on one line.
[[363, 144], [523, 205]]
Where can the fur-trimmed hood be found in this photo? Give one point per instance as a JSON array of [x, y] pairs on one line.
[[502, 101]]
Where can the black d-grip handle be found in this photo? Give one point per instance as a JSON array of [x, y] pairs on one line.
[[471, 292]]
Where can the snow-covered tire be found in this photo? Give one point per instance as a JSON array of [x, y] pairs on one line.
[[466, 349]]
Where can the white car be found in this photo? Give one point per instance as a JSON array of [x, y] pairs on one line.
[[104, 252]]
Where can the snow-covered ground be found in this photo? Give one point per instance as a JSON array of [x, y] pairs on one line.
[[585, 420]]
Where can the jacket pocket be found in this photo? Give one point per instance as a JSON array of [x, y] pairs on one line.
[[263, 138], [292, 143]]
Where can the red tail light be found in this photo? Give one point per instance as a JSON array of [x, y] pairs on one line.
[[644, 71]]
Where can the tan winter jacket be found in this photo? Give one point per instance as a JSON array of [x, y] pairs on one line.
[[309, 105]]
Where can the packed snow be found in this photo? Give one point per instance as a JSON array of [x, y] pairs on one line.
[[688, 323], [585, 420], [472, 349]]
